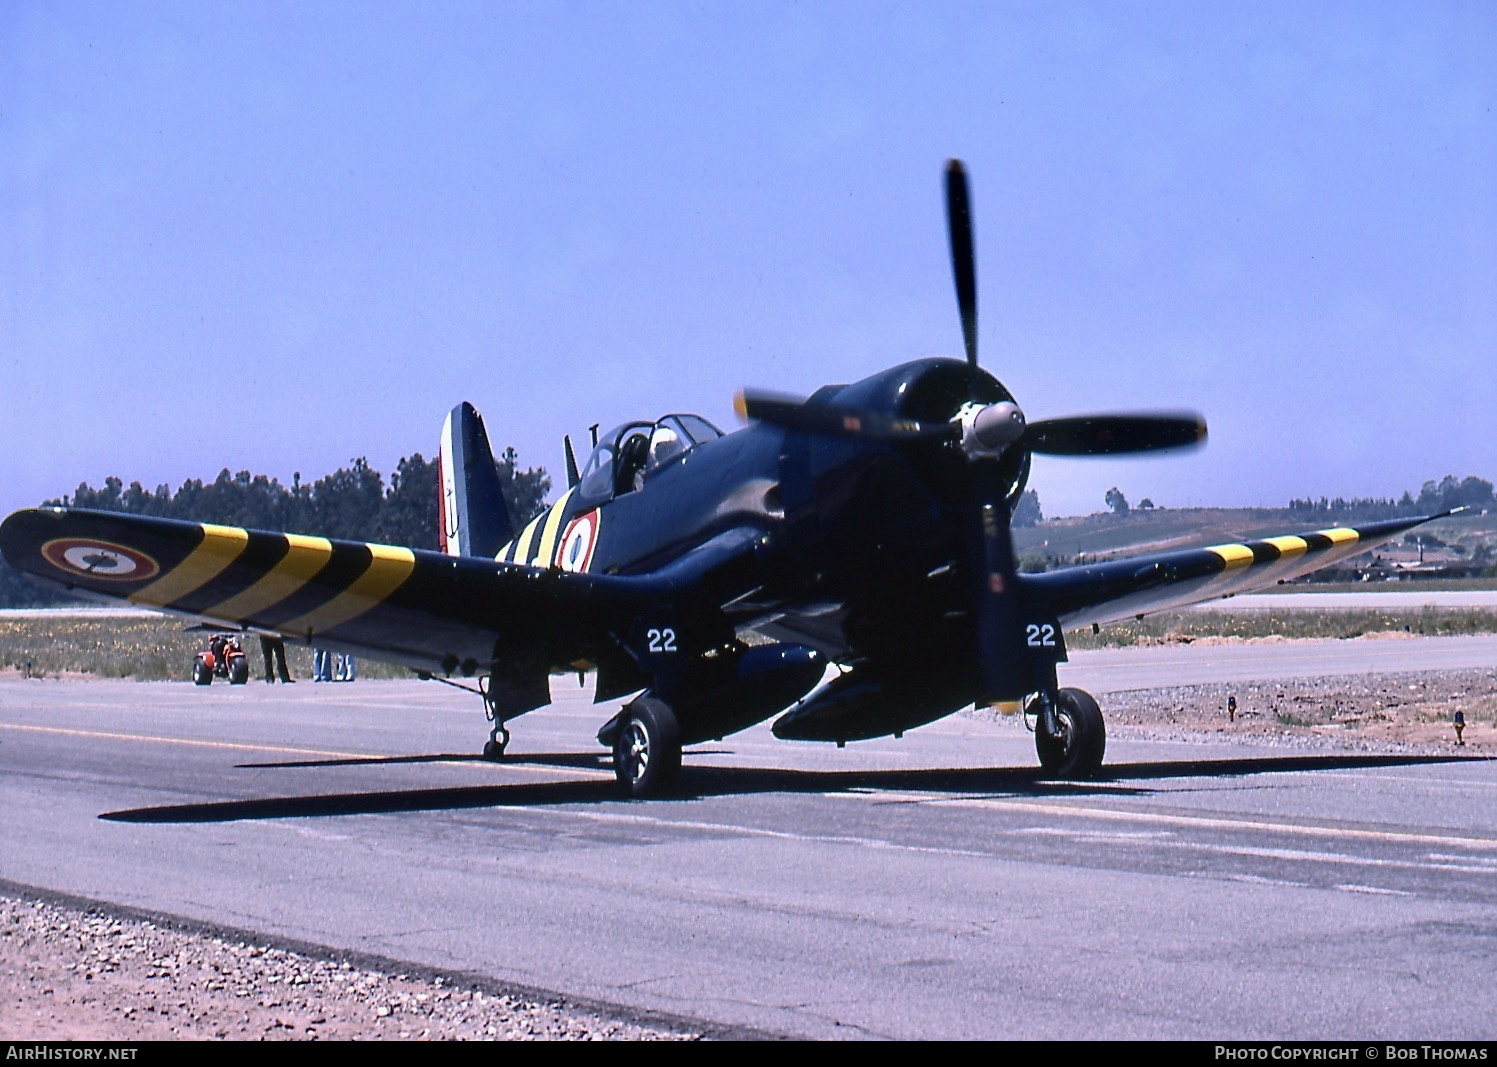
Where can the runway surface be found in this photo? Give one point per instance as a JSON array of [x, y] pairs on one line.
[[933, 886], [1375, 599]]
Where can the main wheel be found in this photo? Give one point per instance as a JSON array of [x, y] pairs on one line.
[[238, 671], [1075, 749], [202, 674], [647, 750]]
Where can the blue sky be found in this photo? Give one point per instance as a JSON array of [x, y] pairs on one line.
[[276, 236]]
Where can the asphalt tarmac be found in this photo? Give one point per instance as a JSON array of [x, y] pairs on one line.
[[930, 887]]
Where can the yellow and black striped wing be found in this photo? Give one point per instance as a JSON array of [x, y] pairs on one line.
[[1120, 589], [427, 610]]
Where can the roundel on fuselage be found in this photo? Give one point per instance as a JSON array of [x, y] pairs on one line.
[[577, 543]]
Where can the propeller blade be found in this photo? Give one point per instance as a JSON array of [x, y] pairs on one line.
[[963, 260], [792, 414], [1111, 435]]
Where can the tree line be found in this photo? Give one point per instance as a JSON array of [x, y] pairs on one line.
[[1434, 497], [352, 503]]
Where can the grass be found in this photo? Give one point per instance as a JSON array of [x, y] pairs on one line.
[[146, 649], [1354, 622]]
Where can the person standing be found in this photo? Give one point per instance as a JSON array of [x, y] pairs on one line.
[[322, 665], [273, 648]]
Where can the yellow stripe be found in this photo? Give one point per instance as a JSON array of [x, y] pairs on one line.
[[1233, 556], [388, 569], [1288, 546], [1341, 535], [522, 548], [550, 530], [221, 545], [303, 560]]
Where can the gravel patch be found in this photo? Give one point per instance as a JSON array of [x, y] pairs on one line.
[[70, 971], [1406, 713]]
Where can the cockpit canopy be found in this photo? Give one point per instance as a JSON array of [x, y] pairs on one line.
[[627, 454]]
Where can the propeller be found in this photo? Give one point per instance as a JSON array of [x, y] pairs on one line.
[[987, 433], [982, 430]]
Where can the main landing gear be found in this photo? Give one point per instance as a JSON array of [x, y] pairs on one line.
[[1068, 732], [647, 748]]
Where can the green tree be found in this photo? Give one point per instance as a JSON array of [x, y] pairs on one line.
[[1027, 509], [409, 516], [348, 502], [524, 491]]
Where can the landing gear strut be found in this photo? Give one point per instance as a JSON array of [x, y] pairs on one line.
[[493, 748], [647, 749], [1068, 733]]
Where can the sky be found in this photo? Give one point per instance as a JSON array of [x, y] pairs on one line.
[[278, 236]]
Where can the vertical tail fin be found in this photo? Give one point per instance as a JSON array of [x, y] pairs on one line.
[[474, 519], [572, 476]]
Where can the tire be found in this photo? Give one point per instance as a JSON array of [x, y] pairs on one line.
[[1076, 752], [647, 750], [202, 674], [238, 671]]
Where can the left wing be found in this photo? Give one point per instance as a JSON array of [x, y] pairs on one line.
[[1141, 585], [426, 610]]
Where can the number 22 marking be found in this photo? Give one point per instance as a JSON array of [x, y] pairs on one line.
[[1038, 636]]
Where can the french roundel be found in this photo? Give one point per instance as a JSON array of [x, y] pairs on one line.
[[577, 544], [99, 559]]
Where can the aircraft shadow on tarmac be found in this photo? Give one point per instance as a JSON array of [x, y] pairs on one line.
[[699, 782], [587, 761]]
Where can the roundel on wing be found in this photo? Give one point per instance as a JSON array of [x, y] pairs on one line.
[[87, 558], [578, 542]]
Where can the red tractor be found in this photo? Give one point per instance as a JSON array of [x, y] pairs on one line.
[[224, 657]]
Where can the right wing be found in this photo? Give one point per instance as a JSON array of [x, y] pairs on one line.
[[1142, 585], [426, 610]]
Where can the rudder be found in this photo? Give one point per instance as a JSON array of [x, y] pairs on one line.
[[473, 518]]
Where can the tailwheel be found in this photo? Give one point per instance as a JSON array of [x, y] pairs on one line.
[[1071, 737], [647, 749], [498, 741]]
